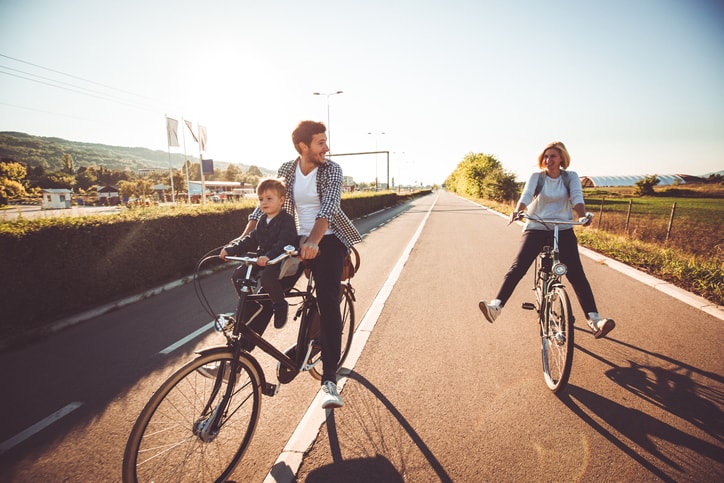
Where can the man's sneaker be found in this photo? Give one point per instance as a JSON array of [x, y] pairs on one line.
[[490, 311], [599, 326], [331, 398], [281, 313]]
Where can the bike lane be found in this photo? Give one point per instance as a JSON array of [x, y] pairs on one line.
[[76, 393], [438, 394]]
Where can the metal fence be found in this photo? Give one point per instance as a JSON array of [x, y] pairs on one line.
[[696, 226]]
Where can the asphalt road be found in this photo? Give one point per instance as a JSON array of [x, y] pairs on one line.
[[437, 393]]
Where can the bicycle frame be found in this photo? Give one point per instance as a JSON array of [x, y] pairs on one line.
[[180, 432], [240, 329], [553, 306]]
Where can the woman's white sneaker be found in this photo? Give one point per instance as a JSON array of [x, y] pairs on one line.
[[491, 311], [599, 326]]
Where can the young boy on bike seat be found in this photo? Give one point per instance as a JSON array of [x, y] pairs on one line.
[[276, 229]]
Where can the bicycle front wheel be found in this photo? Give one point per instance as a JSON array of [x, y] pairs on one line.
[[346, 308], [188, 431], [557, 340]]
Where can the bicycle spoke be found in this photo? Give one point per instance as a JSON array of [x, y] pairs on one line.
[[171, 440]]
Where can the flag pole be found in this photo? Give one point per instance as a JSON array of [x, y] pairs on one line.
[[170, 175], [186, 165], [203, 179], [170, 169]]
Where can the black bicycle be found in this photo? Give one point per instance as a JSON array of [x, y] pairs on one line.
[[198, 424], [553, 305]]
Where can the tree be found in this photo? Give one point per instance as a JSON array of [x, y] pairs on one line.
[[254, 171], [13, 171], [11, 176], [68, 164], [482, 176], [86, 178], [57, 181], [233, 173], [646, 186], [126, 189], [144, 188]]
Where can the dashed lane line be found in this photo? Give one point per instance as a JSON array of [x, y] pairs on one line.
[[39, 426]]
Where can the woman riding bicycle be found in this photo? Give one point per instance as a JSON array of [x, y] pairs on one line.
[[549, 194]]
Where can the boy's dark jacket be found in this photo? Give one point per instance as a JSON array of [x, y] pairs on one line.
[[269, 239]]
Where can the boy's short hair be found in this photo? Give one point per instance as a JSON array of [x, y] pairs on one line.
[[272, 184]]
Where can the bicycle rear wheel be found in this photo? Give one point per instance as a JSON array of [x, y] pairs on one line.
[[557, 340], [170, 442], [346, 308]]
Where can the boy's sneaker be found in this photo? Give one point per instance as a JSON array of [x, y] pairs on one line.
[[331, 398], [600, 326], [281, 313], [491, 311]]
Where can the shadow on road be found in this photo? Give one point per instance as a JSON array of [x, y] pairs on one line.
[[371, 440], [689, 394]]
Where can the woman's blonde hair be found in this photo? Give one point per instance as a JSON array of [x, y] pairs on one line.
[[561, 149]]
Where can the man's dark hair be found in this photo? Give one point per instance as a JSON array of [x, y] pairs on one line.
[[305, 131]]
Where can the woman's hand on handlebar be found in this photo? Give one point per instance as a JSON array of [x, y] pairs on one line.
[[586, 220], [515, 216], [262, 261], [223, 253]]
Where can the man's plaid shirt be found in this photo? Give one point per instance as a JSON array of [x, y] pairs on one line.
[[329, 188]]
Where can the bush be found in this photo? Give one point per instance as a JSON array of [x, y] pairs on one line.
[[55, 267]]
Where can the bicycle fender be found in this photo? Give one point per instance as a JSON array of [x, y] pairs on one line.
[[251, 360]]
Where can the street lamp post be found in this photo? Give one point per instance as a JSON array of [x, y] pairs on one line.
[[399, 172], [376, 134], [329, 126]]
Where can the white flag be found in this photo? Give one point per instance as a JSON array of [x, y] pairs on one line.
[[172, 132], [202, 139], [191, 130]]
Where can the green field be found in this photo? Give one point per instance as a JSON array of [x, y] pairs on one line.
[[693, 225]]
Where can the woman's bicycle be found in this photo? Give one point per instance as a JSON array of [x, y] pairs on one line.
[[553, 305], [198, 424]]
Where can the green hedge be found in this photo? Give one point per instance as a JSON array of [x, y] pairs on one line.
[[55, 267]]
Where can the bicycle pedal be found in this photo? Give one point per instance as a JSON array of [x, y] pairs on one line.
[[271, 389], [528, 305]]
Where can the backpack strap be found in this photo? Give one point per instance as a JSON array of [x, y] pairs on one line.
[[542, 180]]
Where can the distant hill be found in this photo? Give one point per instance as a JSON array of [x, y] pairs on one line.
[[48, 152]]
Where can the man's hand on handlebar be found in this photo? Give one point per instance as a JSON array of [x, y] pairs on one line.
[[307, 249], [223, 254]]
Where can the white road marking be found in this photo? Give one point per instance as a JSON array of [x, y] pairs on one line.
[[308, 427], [189, 337], [39, 426]]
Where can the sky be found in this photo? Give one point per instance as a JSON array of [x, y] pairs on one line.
[[632, 87]]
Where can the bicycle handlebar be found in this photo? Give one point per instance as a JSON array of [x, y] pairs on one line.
[[289, 251], [522, 214]]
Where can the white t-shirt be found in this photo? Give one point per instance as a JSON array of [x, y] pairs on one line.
[[552, 203], [306, 201]]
